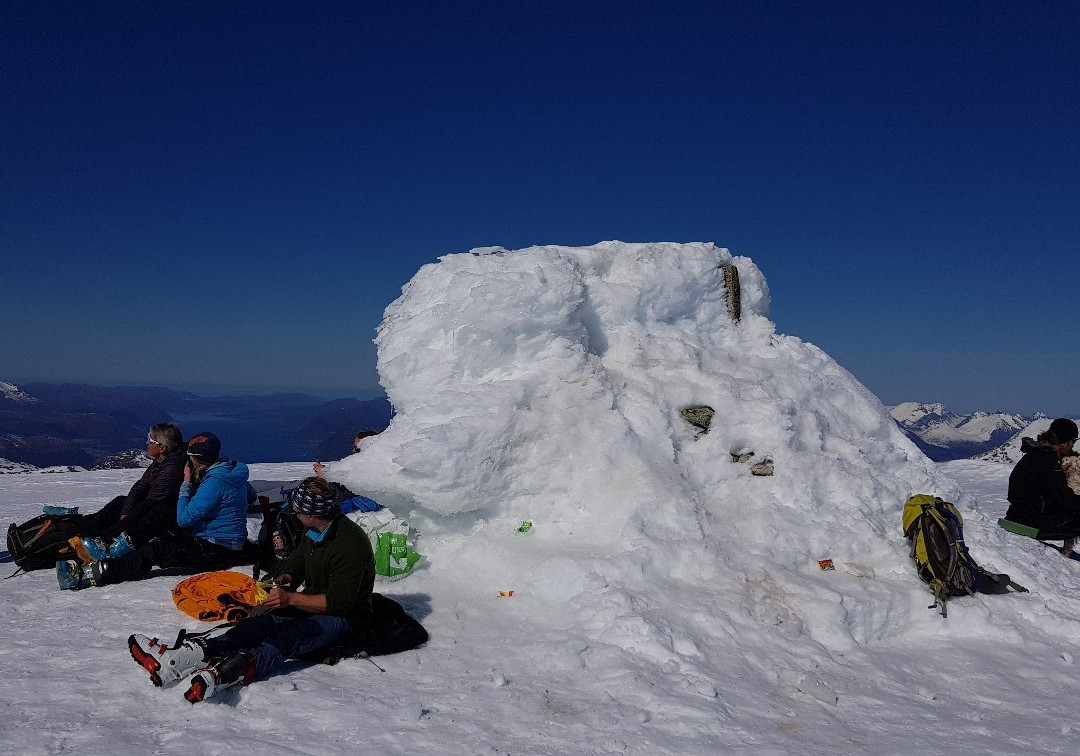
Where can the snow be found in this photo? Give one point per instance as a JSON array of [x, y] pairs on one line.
[[665, 600]]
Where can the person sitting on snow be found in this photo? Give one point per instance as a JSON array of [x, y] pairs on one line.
[[149, 509], [1039, 495], [336, 566], [212, 504]]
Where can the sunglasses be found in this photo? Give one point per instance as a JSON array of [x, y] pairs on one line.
[[151, 440]]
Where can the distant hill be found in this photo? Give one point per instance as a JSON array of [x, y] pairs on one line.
[[48, 424], [944, 435]]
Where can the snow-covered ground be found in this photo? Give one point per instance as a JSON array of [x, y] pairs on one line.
[[666, 601], [998, 676]]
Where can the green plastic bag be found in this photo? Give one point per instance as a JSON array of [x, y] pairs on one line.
[[393, 556]]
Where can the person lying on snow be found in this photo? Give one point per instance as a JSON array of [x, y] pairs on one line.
[[336, 566], [1039, 495], [148, 510], [212, 505]]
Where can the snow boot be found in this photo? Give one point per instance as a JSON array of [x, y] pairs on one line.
[[238, 669], [165, 664], [121, 545], [88, 549], [72, 575]]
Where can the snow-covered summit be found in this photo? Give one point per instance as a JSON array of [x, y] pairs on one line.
[[910, 413], [546, 384], [12, 393]]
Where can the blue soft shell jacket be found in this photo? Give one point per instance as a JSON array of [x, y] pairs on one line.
[[218, 510]]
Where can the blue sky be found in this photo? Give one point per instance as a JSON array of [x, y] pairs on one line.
[[229, 194]]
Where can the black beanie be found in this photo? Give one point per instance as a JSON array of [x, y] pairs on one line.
[[1064, 430], [205, 447]]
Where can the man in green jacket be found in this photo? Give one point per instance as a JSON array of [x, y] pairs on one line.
[[334, 563]]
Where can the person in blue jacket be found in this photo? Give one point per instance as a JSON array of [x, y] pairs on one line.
[[212, 509]]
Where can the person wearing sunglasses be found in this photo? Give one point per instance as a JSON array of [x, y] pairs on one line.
[[149, 508]]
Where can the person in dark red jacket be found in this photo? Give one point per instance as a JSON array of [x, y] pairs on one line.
[[1039, 496], [149, 508]]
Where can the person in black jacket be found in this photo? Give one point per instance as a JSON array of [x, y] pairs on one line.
[[1039, 496], [149, 508]]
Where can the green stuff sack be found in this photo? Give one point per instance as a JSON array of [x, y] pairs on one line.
[[393, 556], [935, 530]]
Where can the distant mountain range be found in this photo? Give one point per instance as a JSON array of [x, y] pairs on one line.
[[944, 435], [48, 424]]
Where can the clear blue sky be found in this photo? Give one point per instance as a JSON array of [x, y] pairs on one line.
[[229, 194]]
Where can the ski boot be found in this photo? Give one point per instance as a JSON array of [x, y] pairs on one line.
[[165, 664], [88, 549], [238, 669], [121, 545], [72, 575]]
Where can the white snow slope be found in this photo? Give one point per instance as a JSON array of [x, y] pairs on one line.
[[665, 600]]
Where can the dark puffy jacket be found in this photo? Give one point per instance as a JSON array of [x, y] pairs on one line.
[[1038, 494], [159, 485]]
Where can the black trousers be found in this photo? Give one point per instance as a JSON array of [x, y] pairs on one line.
[[176, 555], [152, 522]]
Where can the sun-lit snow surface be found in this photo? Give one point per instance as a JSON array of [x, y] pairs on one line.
[[665, 601]]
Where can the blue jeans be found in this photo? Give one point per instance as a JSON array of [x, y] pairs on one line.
[[274, 637]]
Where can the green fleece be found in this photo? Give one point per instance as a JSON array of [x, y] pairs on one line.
[[341, 566]]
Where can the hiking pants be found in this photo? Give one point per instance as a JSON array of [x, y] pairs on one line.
[[177, 555], [276, 636]]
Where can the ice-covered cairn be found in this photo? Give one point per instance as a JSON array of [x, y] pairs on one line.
[[545, 384]]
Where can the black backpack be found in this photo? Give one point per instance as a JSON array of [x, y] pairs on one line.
[[40, 543], [390, 631], [284, 523]]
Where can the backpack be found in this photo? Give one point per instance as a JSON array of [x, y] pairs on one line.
[[41, 542], [390, 631], [283, 522], [935, 530]]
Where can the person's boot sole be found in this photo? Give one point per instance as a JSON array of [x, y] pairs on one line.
[[144, 660]]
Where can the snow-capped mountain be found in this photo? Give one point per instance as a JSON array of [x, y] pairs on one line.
[[944, 435], [125, 460], [7, 467], [12, 393]]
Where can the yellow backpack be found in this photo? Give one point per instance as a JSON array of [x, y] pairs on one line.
[[936, 532]]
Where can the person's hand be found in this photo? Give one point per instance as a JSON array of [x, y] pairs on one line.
[[187, 472], [278, 598], [318, 467]]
